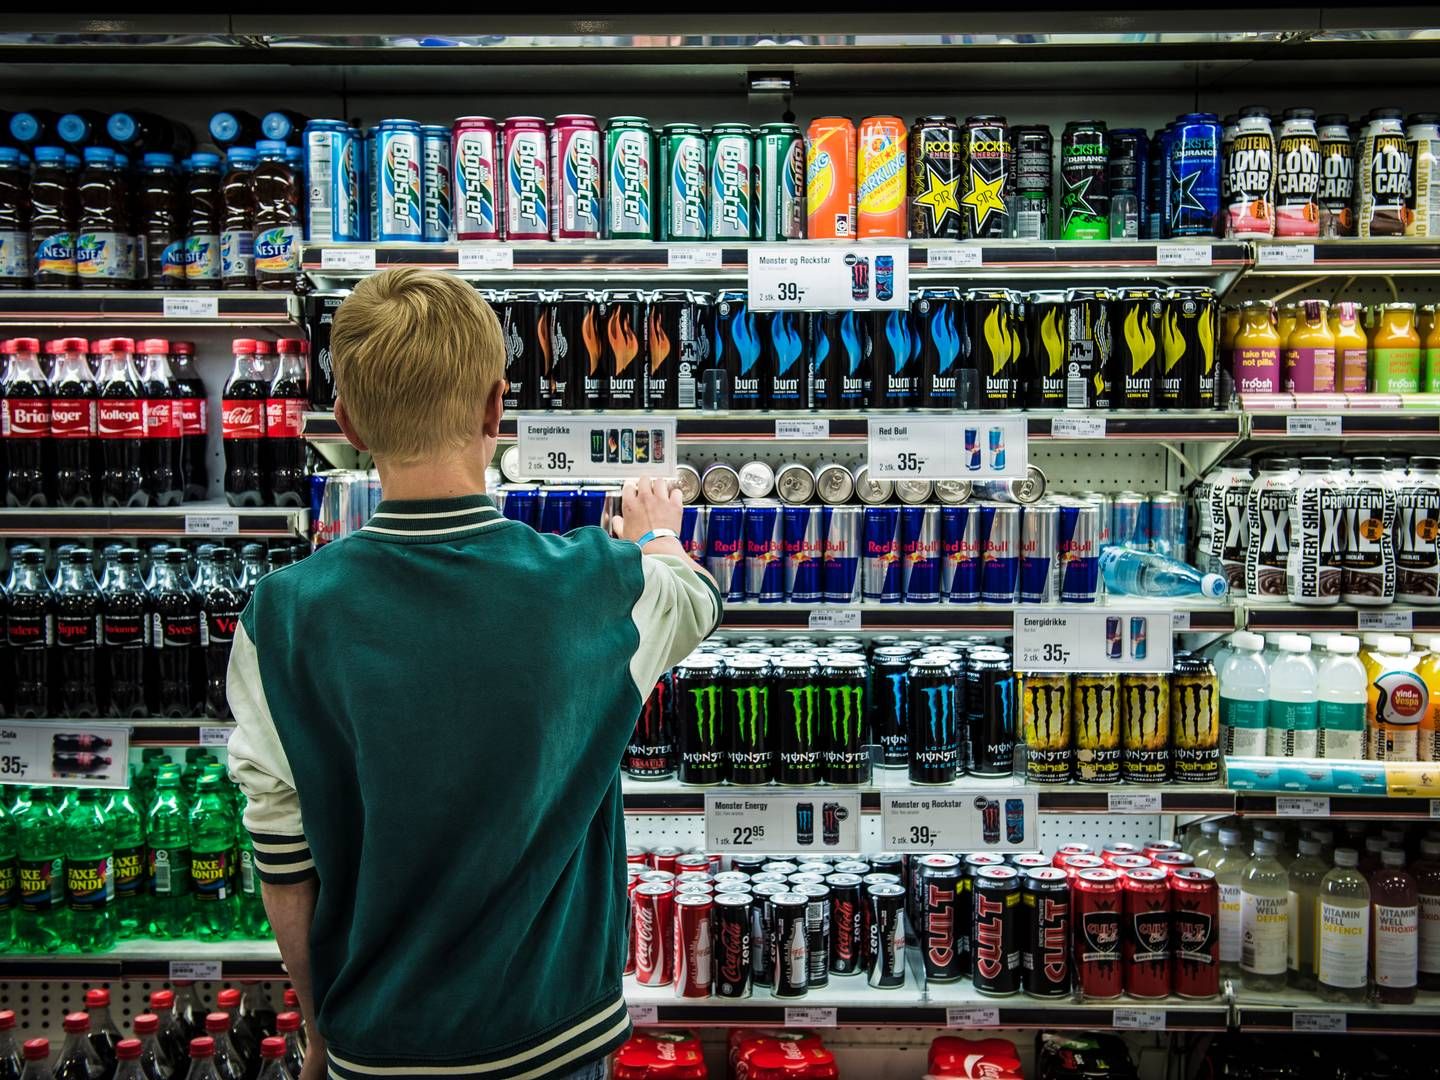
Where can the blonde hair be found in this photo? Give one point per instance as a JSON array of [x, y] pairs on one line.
[[415, 354]]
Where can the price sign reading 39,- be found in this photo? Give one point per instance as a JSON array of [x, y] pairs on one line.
[[825, 821], [596, 447], [996, 820], [974, 446], [802, 277]]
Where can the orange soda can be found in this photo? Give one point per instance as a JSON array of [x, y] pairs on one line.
[[830, 178], [882, 177]]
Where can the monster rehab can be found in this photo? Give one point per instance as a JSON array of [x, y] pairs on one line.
[[1097, 903], [993, 336], [1084, 181], [936, 171], [934, 738], [995, 931], [699, 719], [682, 183], [1145, 728], [747, 720], [938, 880], [1042, 381], [1095, 721], [1089, 369], [1136, 338], [890, 676], [1195, 719], [935, 317], [1045, 945], [1045, 720], [843, 733], [989, 177], [780, 182], [1034, 189], [1146, 937], [797, 692], [1189, 329]]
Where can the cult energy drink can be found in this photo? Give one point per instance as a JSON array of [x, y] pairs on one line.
[[1194, 720], [738, 348], [937, 880], [576, 178], [780, 182], [994, 339], [1084, 181], [525, 320], [881, 566], [1195, 903], [804, 554], [881, 177], [1034, 189], [1337, 176], [630, 162], [764, 552], [844, 733], [937, 163], [699, 719], [1097, 902], [725, 550], [731, 151], [961, 553], [475, 154], [678, 339], [890, 704], [1145, 944], [1045, 726], [527, 178], [936, 317], [1137, 347], [1000, 553], [840, 572], [577, 358], [1045, 950], [990, 713], [747, 719], [1039, 532], [397, 173], [989, 177], [1297, 175], [934, 726], [1077, 552], [839, 360], [1192, 153], [797, 703], [683, 184], [623, 345], [1250, 176], [1129, 167], [435, 177], [995, 931], [830, 178], [1095, 721], [1088, 349], [784, 364], [920, 554], [332, 180], [1145, 728], [894, 358], [1042, 381], [1190, 324], [1383, 175]]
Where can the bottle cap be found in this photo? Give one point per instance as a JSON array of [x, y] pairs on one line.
[[276, 125], [240, 157], [158, 161], [287, 1021], [99, 155], [146, 1024], [7, 1019], [204, 160], [37, 1049], [1210, 827], [243, 346], [1294, 643], [9, 155], [1343, 644], [203, 1046], [224, 127], [24, 127], [272, 1047], [270, 148], [183, 348], [289, 345], [263, 347], [1309, 847], [25, 344], [1393, 643], [1264, 847], [49, 154], [151, 346], [1345, 856], [228, 999], [77, 1022], [1392, 857], [1213, 586], [161, 999], [1429, 846], [127, 1049], [1244, 639], [217, 1021], [115, 345], [121, 127], [1231, 837]]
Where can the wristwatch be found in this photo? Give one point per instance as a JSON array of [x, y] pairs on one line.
[[656, 534]]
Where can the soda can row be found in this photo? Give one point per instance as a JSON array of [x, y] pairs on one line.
[[557, 509]]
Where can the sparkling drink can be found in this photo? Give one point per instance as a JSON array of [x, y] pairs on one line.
[[789, 946], [934, 741], [1074, 847], [937, 880], [794, 483], [1078, 553], [435, 179], [1000, 544], [1191, 321], [1039, 535], [1194, 720], [1129, 167], [936, 316], [884, 935], [738, 349], [764, 552], [747, 719], [1195, 898], [1137, 343], [557, 508], [762, 931], [839, 361], [1146, 944], [1098, 902], [920, 554], [798, 750], [1168, 530], [804, 554], [623, 347], [872, 492], [1193, 157], [399, 202], [527, 209], [1095, 721], [730, 925], [1045, 959], [995, 932], [630, 165], [475, 153], [844, 731], [1045, 725], [881, 175], [895, 360], [654, 933], [830, 170], [989, 185], [1034, 188], [996, 343], [937, 168], [847, 923], [684, 183], [840, 573], [1145, 728], [692, 949], [961, 553], [731, 152], [890, 677], [1130, 521], [881, 566], [780, 182], [332, 180], [725, 550], [1042, 378], [576, 178], [1085, 178]]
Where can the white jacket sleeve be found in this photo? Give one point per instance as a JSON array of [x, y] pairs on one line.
[[677, 610]]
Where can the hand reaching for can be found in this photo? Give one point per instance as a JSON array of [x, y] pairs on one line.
[[647, 504]]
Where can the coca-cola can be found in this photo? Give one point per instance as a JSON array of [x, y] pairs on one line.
[[789, 946], [1097, 897], [817, 928], [665, 858], [632, 881], [995, 932], [694, 888], [692, 863], [730, 929], [1196, 943], [938, 878], [847, 924], [637, 856], [654, 930], [1045, 948], [692, 949], [1065, 850], [1146, 940], [884, 934], [657, 877], [762, 930]]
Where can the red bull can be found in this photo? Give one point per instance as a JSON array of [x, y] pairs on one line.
[[1078, 553], [764, 552], [1000, 557], [475, 157], [1130, 521], [1138, 646], [960, 554], [996, 440], [920, 553], [1103, 504], [804, 554], [1167, 525], [527, 179], [576, 176], [725, 550], [1039, 528], [557, 509], [522, 503], [693, 522], [973, 458], [1113, 642], [881, 568], [841, 526]]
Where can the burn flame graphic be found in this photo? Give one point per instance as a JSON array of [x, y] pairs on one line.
[[786, 339], [947, 338], [623, 342], [590, 333], [1004, 343], [897, 333], [1140, 339], [547, 359], [1174, 340], [1053, 340], [659, 341], [1205, 331]]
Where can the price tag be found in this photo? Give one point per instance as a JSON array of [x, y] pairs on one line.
[[1284, 254], [1180, 622], [1313, 425], [195, 970], [1138, 1019], [1302, 806], [1435, 808], [640, 1015], [222, 524], [1109, 639], [799, 277], [1182, 254], [951, 258], [958, 821], [215, 736], [802, 429], [834, 618], [694, 257], [826, 821], [1385, 620], [1317, 1022], [595, 447], [1134, 802], [810, 1016], [978, 446], [972, 1016], [486, 257], [190, 307], [346, 258], [1077, 427], [65, 753]]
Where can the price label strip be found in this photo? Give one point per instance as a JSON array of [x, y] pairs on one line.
[[1284, 254], [1305, 806], [693, 257], [834, 618], [64, 754], [641, 1015], [195, 970], [811, 1016], [972, 1016], [485, 257], [222, 524], [1385, 620], [1182, 255], [215, 736], [996, 820], [976, 446], [190, 307], [1138, 1019], [1316, 1021], [801, 277], [596, 448], [824, 821], [1313, 426], [803, 429], [361, 258], [1134, 802], [1106, 639]]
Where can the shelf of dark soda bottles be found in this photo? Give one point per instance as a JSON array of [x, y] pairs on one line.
[[211, 520], [148, 307]]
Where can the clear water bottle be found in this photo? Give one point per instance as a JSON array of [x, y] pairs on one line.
[[1143, 573]]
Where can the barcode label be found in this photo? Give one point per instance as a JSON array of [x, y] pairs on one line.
[[685, 394], [1075, 392]]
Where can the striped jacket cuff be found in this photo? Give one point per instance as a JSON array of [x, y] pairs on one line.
[[282, 860]]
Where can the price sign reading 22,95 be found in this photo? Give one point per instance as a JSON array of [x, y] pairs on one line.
[[596, 447]]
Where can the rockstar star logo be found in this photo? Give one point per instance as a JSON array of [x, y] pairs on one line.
[[984, 197], [939, 197], [1188, 200], [1076, 200]]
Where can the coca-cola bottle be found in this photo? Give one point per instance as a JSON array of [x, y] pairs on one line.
[[242, 420], [29, 632], [121, 426], [26, 427], [175, 637], [77, 614], [124, 633], [73, 391], [284, 422], [53, 213], [252, 568], [194, 421], [162, 423], [222, 602]]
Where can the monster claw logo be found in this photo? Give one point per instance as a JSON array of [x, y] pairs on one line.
[[1046, 715], [940, 705], [802, 704], [707, 711], [847, 706], [752, 714]]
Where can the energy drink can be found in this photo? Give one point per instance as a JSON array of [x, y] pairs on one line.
[[995, 347], [890, 679], [785, 378], [1145, 728], [1337, 176], [1077, 553], [1297, 175], [1137, 347], [699, 722], [1190, 322], [1039, 533], [525, 320], [399, 200], [738, 348], [830, 148], [630, 166], [1194, 720], [1129, 167], [845, 735], [475, 155], [1250, 177], [937, 167], [1034, 189], [1045, 959], [840, 575], [1085, 180], [880, 176], [796, 683], [732, 182], [623, 342], [576, 178], [1000, 559], [839, 360], [937, 883], [1098, 906], [961, 554], [794, 483], [694, 523], [937, 318], [1130, 521], [1383, 175], [1146, 939], [894, 359], [764, 552], [527, 178], [725, 550], [747, 719], [1089, 368], [990, 713], [1195, 899], [435, 176], [1095, 722], [920, 554], [995, 931], [1045, 726], [780, 182], [872, 492], [804, 554], [1042, 377], [1193, 155], [577, 358], [332, 180], [881, 568], [683, 183], [1167, 525], [678, 341], [934, 739], [989, 183]]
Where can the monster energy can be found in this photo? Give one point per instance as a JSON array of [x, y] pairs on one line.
[[630, 178], [989, 182], [1042, 381], [1095, 722], [843, 731], [683, 176], [1194, 720], [1136, 342], [1085, 181], [890, 668], [699, 719], [1034, 190], [747, 719], [1145, 728], [797, 742], [732, 182], [989, 705], [937, 168], [779, 182], [1045, 720], [934, 732]]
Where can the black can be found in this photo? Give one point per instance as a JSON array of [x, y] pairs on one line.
[[939, 879], [789, 946], [650, 754], [934, 732], [1191, 323], [1084, 181], [577, 361], [747, 719], [839, 360], [740, 373], [989, 178], [884, 935], [847, 923], [817, 930], [990, 706], [890, 704], [972, 864], [805, 823], [1136, 334], [1034, 188], [525, 319], [731, 936], [936, 316], [1089, 368], [762, 930], [785, 360], [623, 341], [320, 311], [893, 361], [700, 714], [1045, 965], [831, 815], [995, 931], [748, 864], [937, 168], [845, 735], [679, 341], [1042, 377], [993, 340], [797, 692], [1129, 165], [886, 862]]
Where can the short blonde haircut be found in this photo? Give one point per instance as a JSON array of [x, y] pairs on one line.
[[415, 354]]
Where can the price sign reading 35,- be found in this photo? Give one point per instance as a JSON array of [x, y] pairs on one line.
[[802, 277], [1107, 639], [974, 446], [596, 447]]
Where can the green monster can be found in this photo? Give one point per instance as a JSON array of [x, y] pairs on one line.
[[1084, 181], [779, 182], [732, 182], [684, 175], [630, 179]]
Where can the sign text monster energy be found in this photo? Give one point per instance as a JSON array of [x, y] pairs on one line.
[[772, 821]]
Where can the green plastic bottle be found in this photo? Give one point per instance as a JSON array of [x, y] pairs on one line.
[[168, 828], [89, 873], [130, 868], [196, 758], [9, 885], [43, 924], [253, 921], [212, 858]]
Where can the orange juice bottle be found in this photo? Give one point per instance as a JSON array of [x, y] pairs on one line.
[[1310, 351], [1430, 344], [881, 175], [1352, 348], [1257, 350], [830, 178], [1395, 348], [1285, 316]]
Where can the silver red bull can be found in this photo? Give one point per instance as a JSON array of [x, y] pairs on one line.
[[960, 554], [1078, 553], [1039, 526], [840, 573], [973, 457], [804, 554], [1000, 558]]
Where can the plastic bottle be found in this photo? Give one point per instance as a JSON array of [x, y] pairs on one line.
[[228, 1063], [212, 846], [89, 885], [256, 1013], [232, 126], [1342, 931], [1201, 839], [121, 426], [272, 1059], [162, 423], [1340, 690], [167, 831], [194, 421], [12, 1061], [284, 425], [128, 1065], [289, 1025], [244, 1036], [1427, 886], [1264, 920], [277, 219], [222, 601], [1396, 701], [1305, 875], [141, 132], [128, 866], [155, 1062], [14, 221], [160, 221], [73, 423], [29, 455], [291, 1001], [37, 1060], [252, 568], [125, 632], [250, 906], [104, 1035], [243, 424], [203, 220], [1369, 556], [103, 226], [9, 883], [202, 1060], [1245, 697], [1143, 573], [53, 215], [1394, 931], [30, 633], [174, 1040], [1352, 348], [1228, 863], [237, 237], [78, 1059], [1268, 506], [188, 1008], [1395, 350], [77, 611], [176, 638], [1291, 714]]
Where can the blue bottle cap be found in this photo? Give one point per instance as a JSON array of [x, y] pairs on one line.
[[294, 155], [100, 155], [241, 157], [122, 161], [9, 156], [224, 127], [1214, 586], [72, 128], [24, 127], [72, 161], [159, 161], [204, 160], [120, 127], [49, 154], [276, 125], [271, 148]]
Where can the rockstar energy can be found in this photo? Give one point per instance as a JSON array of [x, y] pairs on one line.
[[989, 178], [1195, 720], [1145, 728], [1095, 722], [1045, 721], [1137, 347], [1043, 381], [995, 347], [936, 172]]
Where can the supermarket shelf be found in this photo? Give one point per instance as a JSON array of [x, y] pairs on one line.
[[1406, 419], [1051, 1013], [190, 519], [1295, 1010], [1396, 618], [146, 307], [888, 618], [157, 730], [151, 959], [1398, 255]]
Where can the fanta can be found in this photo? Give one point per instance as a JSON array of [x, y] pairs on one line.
[[830, 178], [882, 177]]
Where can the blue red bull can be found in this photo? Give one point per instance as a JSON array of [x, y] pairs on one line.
[[725, 550], [437, 199], [399, 202], [1167, 525], [1103, 506], [1078, 553], [840, 575], [522, 503], [960, 554], [589, 508], [1000, 558], [997, 449], [693, 522], [1137, 637], [920, 554], [881, 569], [804, 554], [1130, 521], [1113, 636], [972, 449], [557, 509], [764, 552], [1039, 526]]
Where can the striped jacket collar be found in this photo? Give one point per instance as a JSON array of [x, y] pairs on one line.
[[422, 520]]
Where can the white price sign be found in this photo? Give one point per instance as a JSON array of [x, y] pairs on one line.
[[221, 524], [954, 258], [215, 736], [640, 1015], [1077, 427], [1329, 1023], [1106, 639], [195, 970], [1180, 622], [346, 258], [1134, 802], [1138, 1019], [802, 429], [976, 446], [64, 754], [595, 447], [826, 821], [958, 821], [1302, 806], [834, 618], [799, 277], [486, 257], [694, 257], [972, 1016], [1435, 808], [1385, 620], [1313, 425], [191, 307], [1284, 254], [1182, 255], [811, 1016]]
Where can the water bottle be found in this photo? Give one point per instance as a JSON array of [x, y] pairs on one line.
[[1143, 573], [1291, 719], [1244, 697]]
